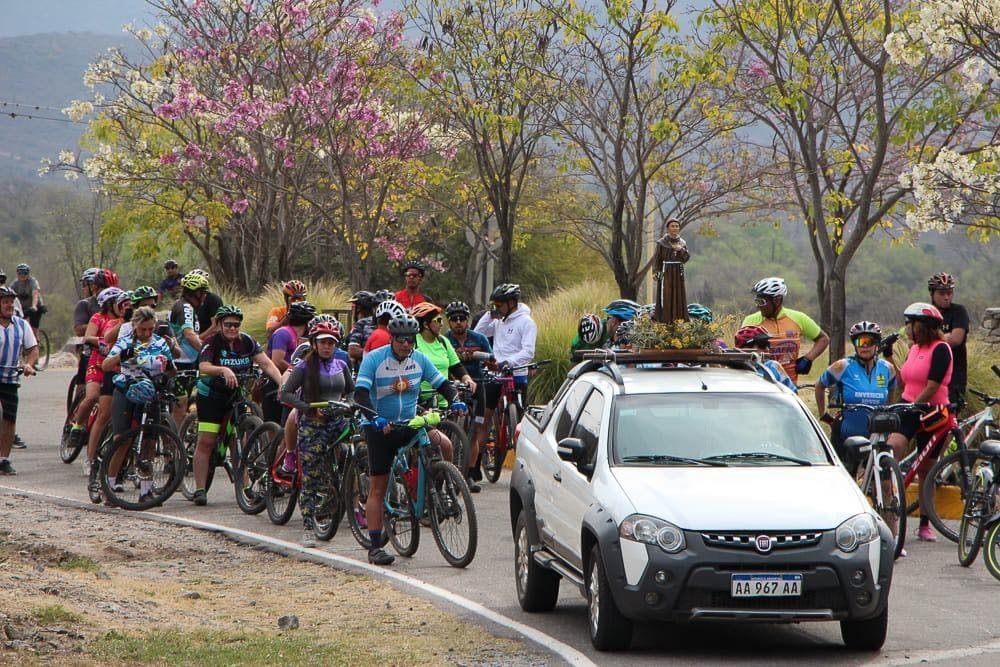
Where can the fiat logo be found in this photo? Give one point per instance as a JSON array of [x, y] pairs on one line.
[[763, 543]]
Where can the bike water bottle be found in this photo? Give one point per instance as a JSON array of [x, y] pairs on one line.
[[410, 478]]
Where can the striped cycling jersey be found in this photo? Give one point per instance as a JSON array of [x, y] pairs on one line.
[[394, 384], [787, 330], [15, 338]]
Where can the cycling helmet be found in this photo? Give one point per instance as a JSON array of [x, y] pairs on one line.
[[89, 275], [194, 280], [124, 296], [865, 327], [23, 268], [647, 310], [3, 276], [106, 278], [590, 329], [506, 292], [6, 291], [389, 307], [457, 308], [383, 295], [364, 299], [324, 330], [770, 287], [141, 391], [170, 264], [623, 335], [425, 310], [751, 336], [939, 281], [107, 294], [404, 325], [295, 288], [144, 292], [201, 272], [923, 312], [413, 265], [699, 312], [229, 310], [623, 309], [300, 312], [329, 319]]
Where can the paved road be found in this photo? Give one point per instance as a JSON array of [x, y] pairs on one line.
[[940, 611]]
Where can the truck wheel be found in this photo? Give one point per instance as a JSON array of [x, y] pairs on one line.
[[537, 587], [609, 630], [866, 635]]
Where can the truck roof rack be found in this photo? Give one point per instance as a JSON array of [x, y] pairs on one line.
[[608, 361]]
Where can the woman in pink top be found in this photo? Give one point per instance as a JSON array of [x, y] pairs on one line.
[[925, 375]]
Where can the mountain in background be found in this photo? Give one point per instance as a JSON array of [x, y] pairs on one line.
[[98, 16]]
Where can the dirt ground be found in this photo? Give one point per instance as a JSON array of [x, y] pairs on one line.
[[79, 587]]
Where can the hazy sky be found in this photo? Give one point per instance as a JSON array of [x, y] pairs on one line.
[[25, 17]]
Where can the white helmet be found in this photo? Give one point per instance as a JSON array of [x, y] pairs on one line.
[[389, 307], [770, 287]]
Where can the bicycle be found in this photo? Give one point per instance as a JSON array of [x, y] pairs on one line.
[[980, 512], [44, 350], [881, 479], [422, 485], [451, 425], [142, 467], [501, 426], [244, 419], [69, 447]]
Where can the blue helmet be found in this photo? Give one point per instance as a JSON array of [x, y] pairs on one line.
[[623, 309], [141, 391]]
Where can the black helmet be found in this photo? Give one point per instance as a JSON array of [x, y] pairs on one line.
[[413, 264], [170, 264], [364, 299], [941, 281], [300, 312], [404, 325], [23, 268], [506, 292], [457, 308], [229, 310], [383, 295]]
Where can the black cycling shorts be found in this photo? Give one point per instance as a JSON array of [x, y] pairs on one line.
[[107, 384], [212, 413], [8, 399], [34, 318], [382, 448]]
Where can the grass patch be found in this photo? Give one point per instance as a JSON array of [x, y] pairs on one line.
[[55, 613], [265, 648], [78, 564], [324, 295]]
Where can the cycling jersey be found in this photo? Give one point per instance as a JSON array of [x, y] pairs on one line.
[[854, 385], [380, 338], [85, 309], [394, 384], [148, 359], [14, 338], [304, 347], [777, 373], [206, 311], [334, 382], [787, 330], [104, 323], [442, 355], [183, 317], [927, 362], [474, 342], [360, 332], [409, 301], [24, 289], [957, 317], [284, 338], [237, 357], [275, 315]]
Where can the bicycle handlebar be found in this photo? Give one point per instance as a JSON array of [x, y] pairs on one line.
[[892, 407], [985, 398]]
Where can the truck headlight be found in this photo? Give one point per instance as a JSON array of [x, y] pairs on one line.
[[859, 529], [648, 529]]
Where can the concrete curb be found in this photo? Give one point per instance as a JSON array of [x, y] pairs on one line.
[[289, 549]]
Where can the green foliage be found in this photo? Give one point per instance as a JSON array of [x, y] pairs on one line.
[[55, 613], [78, 564]]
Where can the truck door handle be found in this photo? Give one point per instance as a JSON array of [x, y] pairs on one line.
[[557, 477]]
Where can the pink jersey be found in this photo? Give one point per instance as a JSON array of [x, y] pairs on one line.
[[917, 367]]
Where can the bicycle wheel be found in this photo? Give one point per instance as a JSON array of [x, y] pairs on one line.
[[973, 523], [400, 517], [280, 494], [493, 449], [459, 442], [74, 391], [145, 478], [453, 517], [68, 450], [893, 506], [330, 509], [355, 493], [251, 472], [992, 549], [946, 485], [189, 439], [44, 350]]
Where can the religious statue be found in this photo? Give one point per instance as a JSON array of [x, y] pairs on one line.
[[668, 269]]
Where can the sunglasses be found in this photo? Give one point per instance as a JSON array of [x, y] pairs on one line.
[[761, 301], [412, 275], [410, 340], [231, 325], [865, 341], [458, 318], [438, 319]]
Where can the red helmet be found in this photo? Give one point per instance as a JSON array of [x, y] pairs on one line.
[[295, 288], [751, 336], [106, 278], [324, 330]]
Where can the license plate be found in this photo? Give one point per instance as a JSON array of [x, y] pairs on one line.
[[766, 585]]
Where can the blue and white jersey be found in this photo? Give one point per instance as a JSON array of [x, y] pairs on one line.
[[15, 338], [394, 385], [777, 373], [857, 385]]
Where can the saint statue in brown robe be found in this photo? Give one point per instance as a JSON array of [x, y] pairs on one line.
[[668, 269]]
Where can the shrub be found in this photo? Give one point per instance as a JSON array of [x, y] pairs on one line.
[[323, 295]]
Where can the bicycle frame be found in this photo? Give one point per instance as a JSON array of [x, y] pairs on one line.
[[925, 457], [421, 441]]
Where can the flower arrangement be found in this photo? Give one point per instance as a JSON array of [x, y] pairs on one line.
[[692, 334]]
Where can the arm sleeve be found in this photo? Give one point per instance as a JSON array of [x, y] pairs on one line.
[[448, 391], [363, 398], [807, 325], [527, 351], [940, 362], [290, 389]]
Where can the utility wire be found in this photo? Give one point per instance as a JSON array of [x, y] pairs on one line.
[[22, 105], [12, 114]]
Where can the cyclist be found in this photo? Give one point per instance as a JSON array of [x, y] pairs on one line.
[[16, 342], [956, 331], [413, 275], [389, 383], [591, 334], [467, 343], [619, 311], [280, 347], [170, 286], [225, 355], [756, 337], [138, 355], [319, 376], [186, 329], [29, 294], [787, 327], [207, 310], [292, 291], [864, 379], [925, 376], [364, 303], [384, 312], [85, 308]]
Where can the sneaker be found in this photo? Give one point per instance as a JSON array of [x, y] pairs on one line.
[[379, 557], [18, 442], [473, 487], [902, 553], [200, 497], [116, 486], [308, 538], [925, 534], [6, 468], [286, 473], [77, 437]]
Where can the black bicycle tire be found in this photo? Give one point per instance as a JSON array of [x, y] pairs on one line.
[[189, 485], [459, 442], [162, 493], [326, 529], [398, 495], [991, 548], [66, 453], [74, 394], [254, 458], [44, 350], [454, 480], [278, 513], [976, 509], [899, 513], [928, 491], [493, 456], [353, 486]]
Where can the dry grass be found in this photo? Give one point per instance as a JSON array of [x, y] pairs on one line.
[[324, 295]]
